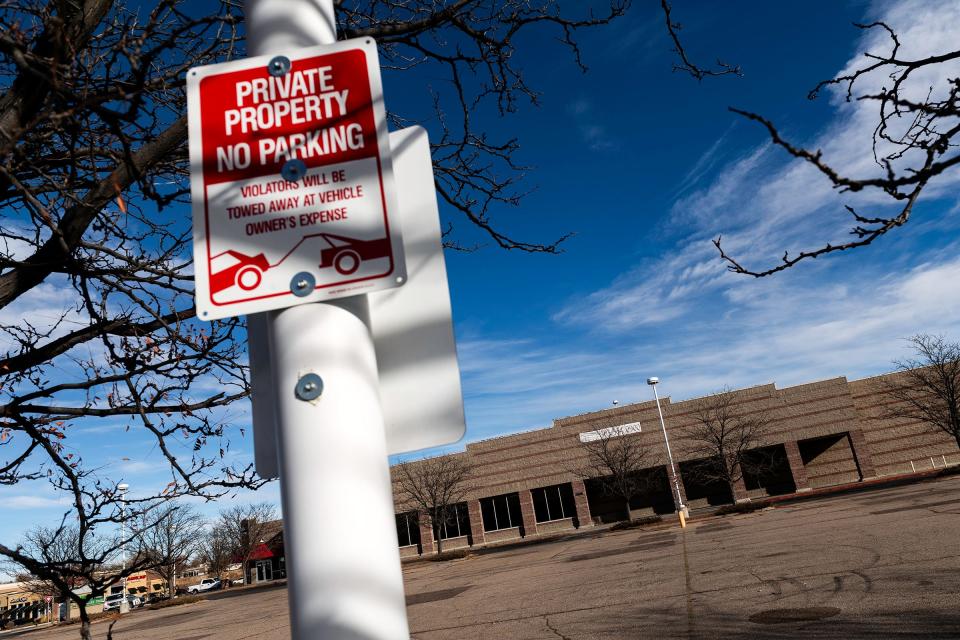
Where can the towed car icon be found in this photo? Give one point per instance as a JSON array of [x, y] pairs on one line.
[[231, 268], [340, 252], [345, 254]]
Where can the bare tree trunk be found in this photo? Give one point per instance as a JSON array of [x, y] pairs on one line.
[[84, 622], [733, 491], [626, 506], [436, 537]]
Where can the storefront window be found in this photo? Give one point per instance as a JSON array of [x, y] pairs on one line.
[[501, 512], [553, 503], [458, 522]]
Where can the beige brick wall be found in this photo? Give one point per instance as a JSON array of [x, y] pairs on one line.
[[895, 442], [834, 464], [551, 455], [553, 526], [500, 535]]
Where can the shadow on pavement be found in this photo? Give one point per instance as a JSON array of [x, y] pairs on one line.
[[233, 592]]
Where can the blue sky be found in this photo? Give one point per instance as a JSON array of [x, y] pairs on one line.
[[646, 166]]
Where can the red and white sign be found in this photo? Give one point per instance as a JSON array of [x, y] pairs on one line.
[[256, 233]]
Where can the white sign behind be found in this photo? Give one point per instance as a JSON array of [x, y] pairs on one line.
[[610, 432], [412, 329], [412, 325]]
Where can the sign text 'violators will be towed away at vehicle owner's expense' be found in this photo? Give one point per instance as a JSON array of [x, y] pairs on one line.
[[292, 182]]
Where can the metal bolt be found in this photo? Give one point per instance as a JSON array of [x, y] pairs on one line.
[[302, 284], [278, 66], [309, 387], [293, 170]]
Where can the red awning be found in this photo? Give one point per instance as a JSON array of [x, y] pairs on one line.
[[262, 552]]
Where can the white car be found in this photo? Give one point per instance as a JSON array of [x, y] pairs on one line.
[[205, 585], [112, 602]]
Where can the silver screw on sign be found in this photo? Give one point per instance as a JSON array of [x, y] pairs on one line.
[[293, 170], [309, 387], [278, 66], [302, 284]]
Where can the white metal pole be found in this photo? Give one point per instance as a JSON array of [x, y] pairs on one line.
[[340, 536], [342, 554], [666, 440]]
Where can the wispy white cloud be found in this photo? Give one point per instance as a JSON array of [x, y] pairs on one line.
[[705, 163], [772, 331], [653, 292], [592, 129], [34, 502], [46, 309], [763, 204]]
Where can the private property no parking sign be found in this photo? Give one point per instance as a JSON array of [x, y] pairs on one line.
[[291, 180]]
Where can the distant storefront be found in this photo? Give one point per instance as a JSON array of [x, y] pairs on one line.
[[20, 605], [267, 562]]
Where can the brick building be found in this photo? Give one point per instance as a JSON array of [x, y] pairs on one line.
[[19, 604], [266, 561], [820, 434]]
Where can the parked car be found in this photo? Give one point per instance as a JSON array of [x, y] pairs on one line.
[[112, 602], [207, 584], [135, 601]]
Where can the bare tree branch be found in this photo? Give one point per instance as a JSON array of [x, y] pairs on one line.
[[432, 488], [914, 142], [698, 72], [618, 460], [927, 388], [727, 437]]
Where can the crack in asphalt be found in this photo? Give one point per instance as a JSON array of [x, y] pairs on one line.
[[546, 621]]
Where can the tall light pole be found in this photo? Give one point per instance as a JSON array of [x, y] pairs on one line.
[[122, 488], [673, 471]]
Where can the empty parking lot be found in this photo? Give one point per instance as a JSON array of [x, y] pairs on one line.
[[878, 564]]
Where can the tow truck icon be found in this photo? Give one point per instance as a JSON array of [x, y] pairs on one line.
[[232, 268]]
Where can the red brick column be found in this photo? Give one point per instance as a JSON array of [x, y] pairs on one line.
[[426, 533], [797, 469], [526, 510], [583, 507], [861, 453], [476, 521]]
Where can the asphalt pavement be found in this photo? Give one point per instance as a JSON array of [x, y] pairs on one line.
[[879, 564]]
